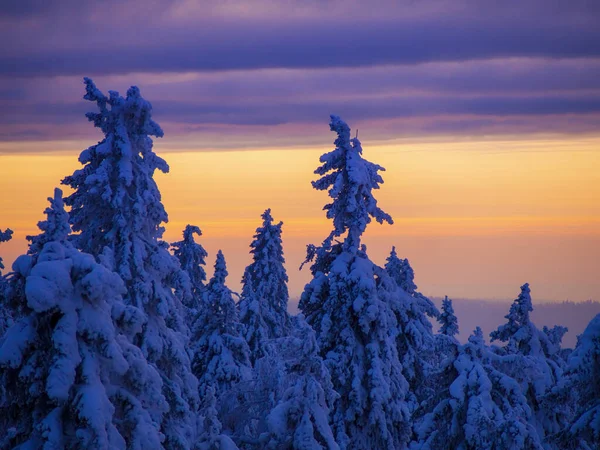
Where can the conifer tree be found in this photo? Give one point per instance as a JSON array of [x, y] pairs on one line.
[[254, 327], [403, 274], [116, 208], [221, 355], [446, 346], [532, 358], [263, 305], [12, 289], [5, 315], [348, 305], [415, 340], [69, 377], [555, 336], [5, 236], [518, 318], [577, 395], [211, 437], [447, 319], [192, 257], [300, 420], [55, 228], [480, 409]]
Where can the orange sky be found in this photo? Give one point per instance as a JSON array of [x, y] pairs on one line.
[[476, 219]]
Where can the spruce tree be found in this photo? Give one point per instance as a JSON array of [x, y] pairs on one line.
[[446, 346], [518, 318], [55, 228], [404, 275], [221, 355], [447, 319], [5, 315], [577, 395], [415, 340], [555, 336], [480, 409], [116, 208], [5, 236], [348, 305], [192, 257], [69, 376], [532, 358], [263, 305], [300, 420], [254, 327], [211, 437]]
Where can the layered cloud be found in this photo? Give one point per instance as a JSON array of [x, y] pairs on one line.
[[239, 74]]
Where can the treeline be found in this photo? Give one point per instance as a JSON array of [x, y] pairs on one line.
[[489, 315], [113, 338]]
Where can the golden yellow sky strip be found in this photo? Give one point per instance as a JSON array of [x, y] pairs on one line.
[[496, 194]]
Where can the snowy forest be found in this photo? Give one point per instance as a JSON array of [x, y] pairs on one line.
[[112, 338]]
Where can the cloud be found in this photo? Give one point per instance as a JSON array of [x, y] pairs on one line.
[[499, 88], [160, 37], [231, 73]]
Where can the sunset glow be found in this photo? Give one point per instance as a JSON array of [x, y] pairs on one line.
[[486, 116], [494, 212]]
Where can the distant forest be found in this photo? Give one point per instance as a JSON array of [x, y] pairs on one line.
[[489, 314]]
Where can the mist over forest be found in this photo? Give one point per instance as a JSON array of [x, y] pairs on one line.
[[489, 314]]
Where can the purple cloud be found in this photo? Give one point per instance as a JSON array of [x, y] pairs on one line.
[[415, 68], [97, 41]]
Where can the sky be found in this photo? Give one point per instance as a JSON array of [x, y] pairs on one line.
[[485, 114]]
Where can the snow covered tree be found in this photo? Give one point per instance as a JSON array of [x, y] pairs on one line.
[[116, 208], [191, 257], [5, 315], [263, 305], [518, 318], [580, 390], [211, 437], [254, 327], [532, 358], [403, 274], [349, 307], [514, 331], [522, 337], [446, 347], [415, 340], [300, 420], [349, 180], [5, 236], [12, 291], [480, 409], [221, 355], [55, 228], [447, 319], [69, 377], [555, 336]]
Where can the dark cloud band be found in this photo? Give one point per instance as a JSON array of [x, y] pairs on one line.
[[453, 67], [243, 46]]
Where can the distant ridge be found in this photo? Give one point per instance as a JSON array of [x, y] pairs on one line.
[[488, 314]]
